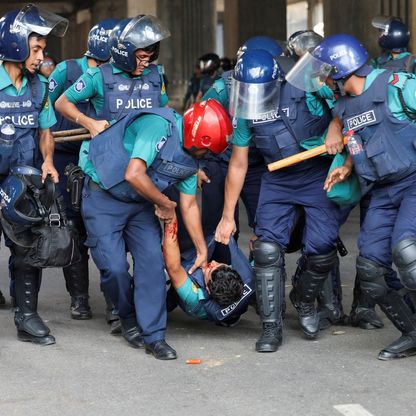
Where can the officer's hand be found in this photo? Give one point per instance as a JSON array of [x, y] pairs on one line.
[[166, 212], [336, 176], [200, 261], [49, 169], [202, 177], [334, 141], [97, 126], [225, 229]]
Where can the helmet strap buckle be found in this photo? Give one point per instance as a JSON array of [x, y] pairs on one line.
[[54, 219]]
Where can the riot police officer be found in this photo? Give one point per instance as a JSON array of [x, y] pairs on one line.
[[209, 63], [127, 167], [276, 131], [129, 82], [27, 109], [66, 74], [383, 156], [394, 37]]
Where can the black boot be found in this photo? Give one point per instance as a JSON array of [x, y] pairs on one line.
[[308, 287], [161, 350], [363, 312], [268, 259], [131, 333], [330, 310], [77, 280], [30, 326], [2, 299], [400, 315]]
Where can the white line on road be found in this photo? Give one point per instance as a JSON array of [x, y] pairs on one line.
[[352, 410]]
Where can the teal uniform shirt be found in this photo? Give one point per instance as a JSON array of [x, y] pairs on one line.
[[59, 76], [93, 88], [218, 91], [402, 80], [375, 63], [190, 295], [140, 141], [47, 116]]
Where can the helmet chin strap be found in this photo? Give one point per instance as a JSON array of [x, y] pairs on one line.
[[340, 86]]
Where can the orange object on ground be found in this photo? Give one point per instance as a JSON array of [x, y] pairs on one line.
[[193, 361]]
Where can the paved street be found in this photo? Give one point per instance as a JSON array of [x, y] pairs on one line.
[[89, 372]]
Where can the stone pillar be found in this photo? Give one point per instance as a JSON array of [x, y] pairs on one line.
[[245, 18], [192, 25]]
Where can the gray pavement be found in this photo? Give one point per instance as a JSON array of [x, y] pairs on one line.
[[89, 372]]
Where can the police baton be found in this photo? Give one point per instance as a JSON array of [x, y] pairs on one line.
[[299, 157], [74, 135]]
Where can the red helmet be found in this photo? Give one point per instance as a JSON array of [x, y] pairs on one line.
[[207, 126]]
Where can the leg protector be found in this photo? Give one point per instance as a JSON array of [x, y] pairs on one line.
[[404, 257], [371, 279], [268, 260]]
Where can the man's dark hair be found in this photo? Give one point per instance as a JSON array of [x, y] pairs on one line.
[[225, 286]]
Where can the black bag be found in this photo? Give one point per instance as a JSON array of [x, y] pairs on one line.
[[56, 241]]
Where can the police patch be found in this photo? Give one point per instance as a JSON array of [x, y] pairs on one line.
[[160, 143], [52, 85], [360, 120], [79, 86]]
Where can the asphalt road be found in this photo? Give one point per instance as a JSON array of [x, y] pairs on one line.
[[90, 372]]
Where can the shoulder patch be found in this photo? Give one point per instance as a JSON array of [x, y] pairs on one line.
[[52, 85], [79, 85], [160, 143], [399, 79], [395, 79]]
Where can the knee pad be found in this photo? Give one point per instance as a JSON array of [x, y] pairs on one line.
[[321, 263], [267, 254], [404, 257], [371, 276]]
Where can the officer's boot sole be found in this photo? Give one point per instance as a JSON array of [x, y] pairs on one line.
[[43, 341]]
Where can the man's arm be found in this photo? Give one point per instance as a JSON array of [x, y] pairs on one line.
[[47, 146], [136, 176], [234, 182], [172, 254], [334, 139], [192, 220]]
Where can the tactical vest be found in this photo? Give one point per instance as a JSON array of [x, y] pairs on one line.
[[389, 152], [73, 72], [122, 95], [242, 266], [110, 158], [21, 148], [395, 65], [278, 135]]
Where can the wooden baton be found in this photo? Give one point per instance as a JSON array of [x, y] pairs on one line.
[[74, 138], [299, 157], [66, 133]]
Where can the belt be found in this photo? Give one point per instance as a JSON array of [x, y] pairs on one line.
[[93, 186]]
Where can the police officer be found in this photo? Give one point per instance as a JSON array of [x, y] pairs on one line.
[[129, 82], [66, 73], [383, 155], [24, 94], [394, 37], [209, 63], [217, 292], [127, 167], [277, 130]]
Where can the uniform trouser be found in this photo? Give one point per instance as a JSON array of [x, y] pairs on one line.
[[390, 218], [280, 195], [114, 226], [213, 200]]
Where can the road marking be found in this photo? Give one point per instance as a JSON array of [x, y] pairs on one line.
[[352, 410]]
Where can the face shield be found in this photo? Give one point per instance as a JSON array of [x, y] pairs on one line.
[[309, 73], [252, 101], [381, 23], [33, 19], [304, 42], [143, 31]]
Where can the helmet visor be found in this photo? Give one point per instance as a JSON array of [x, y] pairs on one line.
[[309, 73], [381, 22], [304, 42], [40, 21], [143, 31], [253, 101]]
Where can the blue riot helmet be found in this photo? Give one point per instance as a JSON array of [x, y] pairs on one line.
[[142, 32], [260, 42], [25, 200], [97, 46], [255, 85], [337, 56], [394, 34], [301, 42], [16, 27]]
